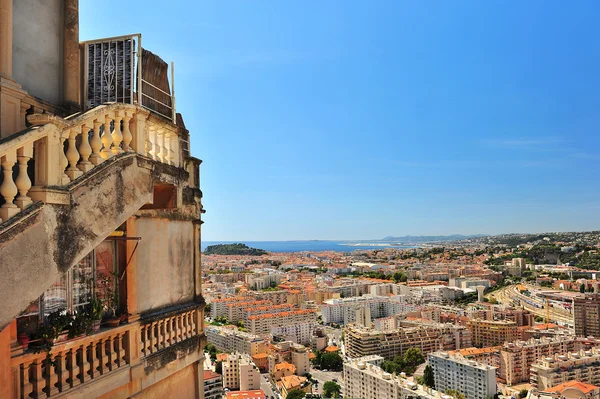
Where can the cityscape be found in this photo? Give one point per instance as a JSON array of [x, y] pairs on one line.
[[414, 184]]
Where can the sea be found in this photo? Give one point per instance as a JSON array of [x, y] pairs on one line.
[[312, 245]]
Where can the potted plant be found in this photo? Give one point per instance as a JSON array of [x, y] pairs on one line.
[[110, 300], [80, 324], [94, 310]]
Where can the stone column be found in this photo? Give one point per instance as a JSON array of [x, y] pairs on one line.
[[72, 68], [6, 38]]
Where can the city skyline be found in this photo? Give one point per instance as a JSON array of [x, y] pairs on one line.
[[357, 122]]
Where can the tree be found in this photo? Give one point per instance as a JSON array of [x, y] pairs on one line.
[[331, 389], [219, 367], [523, 393], [296, 394], [207, 308], [455, 394], [399, 277], [582, 288], [428, 379]]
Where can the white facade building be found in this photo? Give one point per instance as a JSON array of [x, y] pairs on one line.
[[300, 333], [472, 379]]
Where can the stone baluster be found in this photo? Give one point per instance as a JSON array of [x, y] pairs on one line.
[[99, 351], [85, 150], [62, 373], [73, 156], [143, 340], [26, 385], [163, 144], [38, 382], [149, 147], [168, 149], [23, 182], [174, 148], [127, 136], [73, 365], [106, 139], [189, 329], [96, 144], [157, 147], [63, 161], [173, 330], [8, 189], [109, 360], [161, 334], [117, 136], [120, 349], [87, 363], [51, 379], [178, 328], [154, 337]]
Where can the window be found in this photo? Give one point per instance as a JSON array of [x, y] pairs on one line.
[[76, 287]]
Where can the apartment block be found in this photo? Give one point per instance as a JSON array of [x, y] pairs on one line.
[[516, 358], [219, 306], [213, 385], [343, 311], [492, 333], [389, 344], [472, 379], [260, 310], [232, 340], [262, 324], [583, 366], [300, 333], [363, 378], [235, 311], [300, 359], [240, 373], [586, 312]]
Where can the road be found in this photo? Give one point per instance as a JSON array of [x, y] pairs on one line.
[[323, 376], [266, 386]]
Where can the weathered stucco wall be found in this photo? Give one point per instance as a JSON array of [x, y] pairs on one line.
[[52, 239], [37, 47], [165, 268], [181, 385]]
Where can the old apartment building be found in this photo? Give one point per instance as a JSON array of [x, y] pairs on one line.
[[100, 209]]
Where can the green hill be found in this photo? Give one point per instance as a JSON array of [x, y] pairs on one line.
[[233, 249]]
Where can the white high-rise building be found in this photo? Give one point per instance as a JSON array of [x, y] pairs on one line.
[[472, 379]]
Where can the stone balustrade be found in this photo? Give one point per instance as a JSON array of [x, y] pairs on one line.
[[162, 333], [73, 363], [64, 149], [85, 359]]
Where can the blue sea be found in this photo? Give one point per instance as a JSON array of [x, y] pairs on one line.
[[311, 246]]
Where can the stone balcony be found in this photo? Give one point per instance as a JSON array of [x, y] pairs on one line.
[[117, 358]]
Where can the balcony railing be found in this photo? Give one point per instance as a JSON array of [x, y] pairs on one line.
[[88, 358], [65, 149]]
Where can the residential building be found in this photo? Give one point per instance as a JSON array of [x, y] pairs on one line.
[[259, 310], [586, 314], [100, 200], [213, 385], [516, 358], [262, 324], [232, 340], [492, 333], [472, 379], [569, 390], [343, 311], [294, 382], [389, 344], [363, 378], [300, 359], [300, 333], [253, 394], [583, 366], [240, 373]]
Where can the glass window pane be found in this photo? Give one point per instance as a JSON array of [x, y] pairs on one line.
[[83, 281], [55, 298], [106, 287]]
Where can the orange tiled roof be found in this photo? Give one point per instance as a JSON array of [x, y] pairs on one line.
[[331, 348], [282, 314], [221, 357], [292, 381], [583, 387], [209, 375], [285, 366]]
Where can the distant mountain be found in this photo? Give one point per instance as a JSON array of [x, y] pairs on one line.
[[425, 239]]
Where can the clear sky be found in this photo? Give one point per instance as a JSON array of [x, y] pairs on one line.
[[358, 120]]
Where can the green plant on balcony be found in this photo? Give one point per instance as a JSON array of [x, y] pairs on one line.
[[110, 298]]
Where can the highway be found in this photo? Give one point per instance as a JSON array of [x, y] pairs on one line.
[[508, 295]]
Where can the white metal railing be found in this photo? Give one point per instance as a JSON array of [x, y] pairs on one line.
[[110, 65]]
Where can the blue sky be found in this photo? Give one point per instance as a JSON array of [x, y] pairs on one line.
[[358, 120]]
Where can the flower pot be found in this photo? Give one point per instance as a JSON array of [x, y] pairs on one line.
[[96, 325], [61, 337], [23, 339], [113, 322]]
